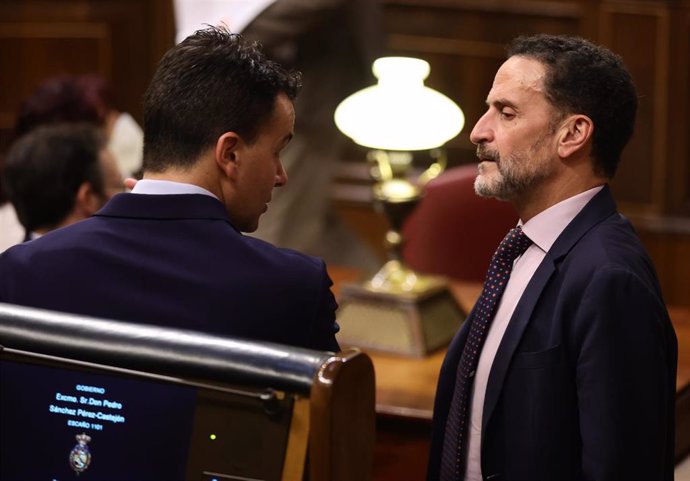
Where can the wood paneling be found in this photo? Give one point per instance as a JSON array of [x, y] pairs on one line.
[[119, 39], [669, 248], [678, 167], [639, 183], [34, 50]]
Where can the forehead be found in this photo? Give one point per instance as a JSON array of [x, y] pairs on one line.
[[520, 80]]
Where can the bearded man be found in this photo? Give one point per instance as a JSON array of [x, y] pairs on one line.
[[566, 367]]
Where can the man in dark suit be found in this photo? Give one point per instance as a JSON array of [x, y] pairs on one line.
[[216, 116], [571, 374]]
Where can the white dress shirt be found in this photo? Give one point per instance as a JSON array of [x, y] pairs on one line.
[[168, 187], [11, 231], [543, 230]]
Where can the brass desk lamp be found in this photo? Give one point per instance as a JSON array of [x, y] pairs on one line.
[[399, 310]]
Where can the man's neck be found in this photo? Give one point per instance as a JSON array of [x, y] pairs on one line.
[[541, 198], [194, 176]]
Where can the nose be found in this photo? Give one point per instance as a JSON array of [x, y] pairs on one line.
[[481, 132], [281, 176]]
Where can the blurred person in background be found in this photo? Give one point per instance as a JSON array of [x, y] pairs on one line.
[[85, 98], [11, 231], [71, 99], [59, 174]]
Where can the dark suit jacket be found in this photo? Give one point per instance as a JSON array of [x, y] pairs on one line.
[[174, 260], [583, 383]]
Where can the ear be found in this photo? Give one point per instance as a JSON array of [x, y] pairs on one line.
[[227, 153], [87, 201], [576, 131]]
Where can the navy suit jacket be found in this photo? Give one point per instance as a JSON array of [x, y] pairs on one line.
[[583, 383], [177, 261]]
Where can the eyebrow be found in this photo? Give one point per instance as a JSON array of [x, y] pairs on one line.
[[501, 102]]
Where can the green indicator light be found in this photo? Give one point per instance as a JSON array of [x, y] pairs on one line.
[[213, 437]]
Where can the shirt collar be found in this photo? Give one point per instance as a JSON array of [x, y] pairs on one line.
[[168, 187], [544, 228]]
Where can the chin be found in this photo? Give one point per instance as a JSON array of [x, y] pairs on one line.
[[484, 184], [482, 190], [488, 186]]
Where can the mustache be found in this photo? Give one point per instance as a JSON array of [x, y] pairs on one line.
[[484, 152]]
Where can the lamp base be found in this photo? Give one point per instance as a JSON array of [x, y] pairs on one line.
[[410, 324]]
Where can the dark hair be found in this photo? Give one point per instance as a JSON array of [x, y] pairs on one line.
[[65, 99], [44, 169], [584, 78], [211, 83]]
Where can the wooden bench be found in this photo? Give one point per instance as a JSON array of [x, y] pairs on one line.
[[241, 409]]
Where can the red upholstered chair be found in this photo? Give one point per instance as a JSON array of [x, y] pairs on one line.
[[454, 232]]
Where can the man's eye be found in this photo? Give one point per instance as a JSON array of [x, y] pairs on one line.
[[507, 114]]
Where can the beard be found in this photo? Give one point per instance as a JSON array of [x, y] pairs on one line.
[[515, 174]]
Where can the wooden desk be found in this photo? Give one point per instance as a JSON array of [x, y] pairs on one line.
[[405, 389], [406, 386], [681, 323]]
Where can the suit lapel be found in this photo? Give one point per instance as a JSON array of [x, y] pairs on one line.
[[599, 208], [513, 335]]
